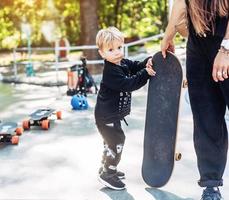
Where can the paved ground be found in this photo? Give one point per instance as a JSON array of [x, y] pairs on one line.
[[62, 163]]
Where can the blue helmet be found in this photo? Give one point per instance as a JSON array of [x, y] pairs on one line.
[[79, 102]]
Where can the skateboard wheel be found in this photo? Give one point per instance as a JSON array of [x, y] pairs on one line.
[[45, 124], [15, 139], [26, 125], [178, 156], [59, 115], [19, 130]]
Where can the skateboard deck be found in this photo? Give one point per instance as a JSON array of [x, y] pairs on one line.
[[161, 120], [9, 132], [41, 118], [7, 127], [41, 114]]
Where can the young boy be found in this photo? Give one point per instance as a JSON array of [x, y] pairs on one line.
[[120, 78]]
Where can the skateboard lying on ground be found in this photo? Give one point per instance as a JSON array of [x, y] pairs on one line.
[[9, 132], [161, 120], [41, 118]]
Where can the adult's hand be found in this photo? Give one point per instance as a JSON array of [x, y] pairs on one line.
[[167, 45], [220, 70], [178, 15]]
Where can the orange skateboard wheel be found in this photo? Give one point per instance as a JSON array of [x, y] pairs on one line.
[[26, 125], [19, 130], [15, 139], [45, 124], [59, 114]]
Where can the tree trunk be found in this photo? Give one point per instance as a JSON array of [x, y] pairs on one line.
[[117, 6], [164, 14], [89, 27]]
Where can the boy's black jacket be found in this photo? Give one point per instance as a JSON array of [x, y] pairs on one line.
[[118, 81]]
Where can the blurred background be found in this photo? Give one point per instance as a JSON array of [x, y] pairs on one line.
[[48, 23], [77, 20]]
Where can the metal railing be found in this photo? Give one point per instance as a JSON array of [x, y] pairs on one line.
[[71, 48]]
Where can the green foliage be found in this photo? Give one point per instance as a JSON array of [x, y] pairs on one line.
[[7, 28], [135, 18], [69, 19], [142, 17]]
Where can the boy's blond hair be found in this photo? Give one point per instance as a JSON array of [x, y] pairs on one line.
[[106, 37]]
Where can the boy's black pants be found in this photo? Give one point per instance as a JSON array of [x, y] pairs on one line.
[[208, 103], [114, 139]]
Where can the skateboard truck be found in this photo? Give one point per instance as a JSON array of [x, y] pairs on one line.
[[8, 138]]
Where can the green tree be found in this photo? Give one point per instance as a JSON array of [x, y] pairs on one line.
[[79, 20], [69, 19], [136, 18]]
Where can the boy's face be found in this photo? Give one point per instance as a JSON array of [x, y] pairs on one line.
[[113, 53]]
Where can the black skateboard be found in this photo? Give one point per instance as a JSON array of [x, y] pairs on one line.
[[41, 118], [161, 120], [9, 132]]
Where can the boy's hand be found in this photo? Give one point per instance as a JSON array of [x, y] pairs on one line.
[[150, 71], [149, 67]]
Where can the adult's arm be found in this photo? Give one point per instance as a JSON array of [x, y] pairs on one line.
[[177, 14]]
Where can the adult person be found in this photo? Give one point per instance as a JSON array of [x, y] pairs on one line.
[[208, 83]]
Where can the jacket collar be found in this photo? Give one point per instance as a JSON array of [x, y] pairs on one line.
[[112, 64]]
